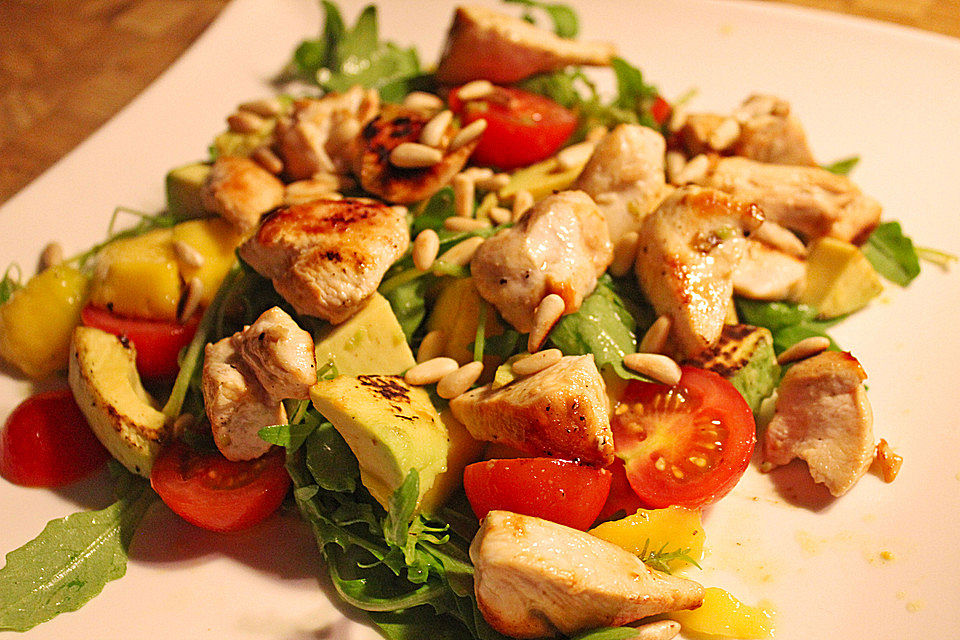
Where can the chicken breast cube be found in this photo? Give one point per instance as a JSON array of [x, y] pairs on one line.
[[808, 200], [823, 417], [688, 250], [560, 411], [486, 44], [236, 403], [765, 273], [327, 257], [279, 353], [560, 246], [240, 191], [625, 176], [534, 578]]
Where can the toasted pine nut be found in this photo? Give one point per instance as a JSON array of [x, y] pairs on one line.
[[695, 170], [488, 202], [245, 122], [655, 339], [192, 301], [51, 255], [433, 132], [265, 107], [575, 155], [425, 248], [659, 630], [726, 133], [187, 254], [544, 317], [459, 381], [678, 119], [500, 215], [467, 135], [624, 253], [596, 133], [319, 186], [464, 195], [461, 253], [267, 159], [478, 173], [494, 183], [535, 362], [474, 90], [804, 349], [522, 201], [888, 461], [459, 223], [674, 164], [432, 345], [430, 371], [654, 366], [412, 155], [422, 100], [607, 197], [770, 233]]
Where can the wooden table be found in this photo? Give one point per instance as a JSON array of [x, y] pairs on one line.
[[66, 66]]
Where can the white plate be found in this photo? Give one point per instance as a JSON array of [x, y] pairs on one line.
[[886, 93]]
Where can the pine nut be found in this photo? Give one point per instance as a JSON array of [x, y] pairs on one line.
[[804, 349], [267, 159], [675, 162], [459, 381], [522, 201], [411, 155], [425, 248], [596, 134], [695, 170], [245, 122], [430, 371], [464, 196], [315, 188], [461, 254], [770, 233], [432, 345], [433, 132], [575, 155], [726, 133], [544, 317], [477, 173], [624, 253], [528, 365], [654, 366], [187, 254], [475, 90], [192, 301], [488, 202], [678, 119], [494, 183], [467, 135], [51, 255], [422, 100], [888, 461], [655, 339], [459, 223], [500, 215], [265, 107], [659, 630], [606, 198]]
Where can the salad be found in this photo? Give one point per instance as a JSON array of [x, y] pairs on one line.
[[394, 530]]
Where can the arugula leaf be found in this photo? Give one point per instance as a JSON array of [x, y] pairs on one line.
[[842, 167], [71, 560], [564, 18], [290, 436], [892, 254], [328, 457], [607, 633], [789, 323], [10, 282]]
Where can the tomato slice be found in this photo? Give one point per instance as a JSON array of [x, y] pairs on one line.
[[622, 498], [522, 127], [158, 342], [660, 110], [685, 445], [214, 493], [46, 442], [558, 490]]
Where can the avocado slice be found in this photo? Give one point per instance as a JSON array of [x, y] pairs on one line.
[[744, 356], [390, 426], [369, 342], [183, 186], [840, 279]]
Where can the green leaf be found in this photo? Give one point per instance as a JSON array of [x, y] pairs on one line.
[[290, 436], [71, 560], [789, 323], [842, 167], [631, 89], [403, 502], [607, 633], [564, 18], [330, 461], [10, 282], [892, 254]]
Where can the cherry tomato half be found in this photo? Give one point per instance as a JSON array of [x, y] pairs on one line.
[[46, 442], [685, 445], [214, 493], [522, 127], [158, 342], [558, 490], [622, 498], [660, 110]]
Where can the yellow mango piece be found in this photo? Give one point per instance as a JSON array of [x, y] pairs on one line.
[[541, 179], [139, 277], [36, 323], [456, 313], [216, 240], [463, 450], [840, 279], [724, 616], [654, 529]]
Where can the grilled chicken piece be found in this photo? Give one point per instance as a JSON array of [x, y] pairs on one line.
[[768, 132], [327, 257], [279, 353], [561, 246], [560, 411], [765, 273], [486, 44], [322, 135], [688, 250], [808, 200], [236, 403], [625, 176], [240, 191], [823, 417], [536, 578], [395, 125]]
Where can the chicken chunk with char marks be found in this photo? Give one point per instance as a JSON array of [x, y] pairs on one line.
[[279, 353], [240, 192]]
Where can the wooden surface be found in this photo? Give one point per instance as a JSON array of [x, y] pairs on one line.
[[66, 66]]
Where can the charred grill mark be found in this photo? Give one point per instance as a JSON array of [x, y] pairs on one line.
[[389, 387]]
